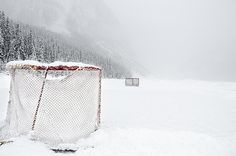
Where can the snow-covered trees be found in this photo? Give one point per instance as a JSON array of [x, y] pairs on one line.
[[1, 44], [22, 42], [10, 42]]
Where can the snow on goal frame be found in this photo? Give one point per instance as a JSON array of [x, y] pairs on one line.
[[56, 103]]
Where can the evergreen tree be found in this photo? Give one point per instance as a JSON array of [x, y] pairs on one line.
[[1, 44], [30, 46], [2, 27], [24, 49], [17, 42], [39, 49], [22, 55], [6, 39]]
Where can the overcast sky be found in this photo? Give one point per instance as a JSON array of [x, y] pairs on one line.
[[174, 39], [193, 39]]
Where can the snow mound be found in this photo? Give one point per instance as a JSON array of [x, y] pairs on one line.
[[130, 142]]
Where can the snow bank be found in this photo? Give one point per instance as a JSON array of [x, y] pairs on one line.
[[129, 142], [4, 95]]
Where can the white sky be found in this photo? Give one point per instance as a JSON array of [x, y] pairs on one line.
[[182, 38], [193, 39]]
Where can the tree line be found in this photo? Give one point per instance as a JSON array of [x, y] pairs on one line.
[[19, 41]]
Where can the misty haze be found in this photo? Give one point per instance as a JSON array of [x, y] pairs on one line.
[[118, 77], [174, 39]]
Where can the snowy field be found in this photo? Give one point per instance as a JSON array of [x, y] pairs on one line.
[[160, 118]]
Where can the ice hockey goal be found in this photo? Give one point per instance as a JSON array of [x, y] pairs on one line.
[[57, 103]]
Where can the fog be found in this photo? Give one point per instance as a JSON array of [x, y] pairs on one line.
[[182, 39], [90, 17], [172, 39]]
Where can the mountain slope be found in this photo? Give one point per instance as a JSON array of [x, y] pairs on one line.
[[78, 20], [21, 41]]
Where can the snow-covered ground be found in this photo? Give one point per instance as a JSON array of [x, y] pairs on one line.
[[159, 118]]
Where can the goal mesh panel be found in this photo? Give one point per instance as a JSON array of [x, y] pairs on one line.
[[69, 107]]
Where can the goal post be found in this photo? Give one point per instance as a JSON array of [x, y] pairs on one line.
[[56, 103]]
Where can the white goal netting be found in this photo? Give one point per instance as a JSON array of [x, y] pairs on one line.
[[57, 104]]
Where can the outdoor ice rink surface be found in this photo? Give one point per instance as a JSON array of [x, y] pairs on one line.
[[159, 118]]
